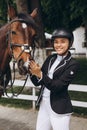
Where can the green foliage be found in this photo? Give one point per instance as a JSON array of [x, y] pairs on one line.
[[79, 10], [78, 7], [56, 13], [68, 13], [3, 10]]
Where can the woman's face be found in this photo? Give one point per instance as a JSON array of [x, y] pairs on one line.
[[61, 46]]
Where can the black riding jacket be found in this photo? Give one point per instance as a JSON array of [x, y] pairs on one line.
[[63, 75]]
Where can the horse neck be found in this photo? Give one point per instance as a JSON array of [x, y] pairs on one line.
[[4, 59], [4, 52], [3, 33]]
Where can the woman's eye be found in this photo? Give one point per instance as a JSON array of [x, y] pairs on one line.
[[55, 42]]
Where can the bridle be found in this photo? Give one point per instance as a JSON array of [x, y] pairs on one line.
[[24, 48]]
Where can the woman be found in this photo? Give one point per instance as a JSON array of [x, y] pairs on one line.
[[54, 77]]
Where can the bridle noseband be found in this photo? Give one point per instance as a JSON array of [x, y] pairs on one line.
[[24, 48]]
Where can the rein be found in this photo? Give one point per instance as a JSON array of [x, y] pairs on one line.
[[12, 83], [3, 87]]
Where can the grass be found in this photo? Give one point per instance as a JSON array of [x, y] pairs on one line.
[[81, 78], [79, 96], [26, 104], [79, 111]]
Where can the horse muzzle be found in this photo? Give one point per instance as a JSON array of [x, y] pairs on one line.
[[23, 67]]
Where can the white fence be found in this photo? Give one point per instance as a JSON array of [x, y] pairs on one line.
[[33, 97]]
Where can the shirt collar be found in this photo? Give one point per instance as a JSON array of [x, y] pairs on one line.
[[59, 58]]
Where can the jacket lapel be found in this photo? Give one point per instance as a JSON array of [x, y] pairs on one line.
[[52, 61], [63, 62]]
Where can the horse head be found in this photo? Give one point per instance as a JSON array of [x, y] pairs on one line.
[[21, 38]]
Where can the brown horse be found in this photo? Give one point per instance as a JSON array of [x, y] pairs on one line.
[[16, 41]]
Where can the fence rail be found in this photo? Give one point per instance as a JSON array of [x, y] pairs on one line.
[[33, 97]]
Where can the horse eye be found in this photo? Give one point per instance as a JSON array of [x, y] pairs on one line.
[[13, 32]]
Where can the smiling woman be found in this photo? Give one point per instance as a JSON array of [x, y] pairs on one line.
[[56, 74]]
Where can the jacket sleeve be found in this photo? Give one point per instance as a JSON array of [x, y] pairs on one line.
[[61, 82], [34, 79]]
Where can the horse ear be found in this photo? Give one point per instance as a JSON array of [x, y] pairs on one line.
[[34, 13], [11, 12]]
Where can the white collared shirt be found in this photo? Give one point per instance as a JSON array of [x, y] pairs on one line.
[[46, 92]]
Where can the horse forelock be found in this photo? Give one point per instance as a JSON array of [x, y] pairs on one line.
[[28, 19]]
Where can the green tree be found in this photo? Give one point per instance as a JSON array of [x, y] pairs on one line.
[[53, 13], [68, 13], [79, 14], [3, 10]]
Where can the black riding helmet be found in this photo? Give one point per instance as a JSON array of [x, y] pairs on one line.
[[63, 33]]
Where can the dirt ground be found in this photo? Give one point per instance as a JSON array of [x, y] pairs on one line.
[[20, 119]]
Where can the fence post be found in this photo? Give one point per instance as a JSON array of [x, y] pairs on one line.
[[34, 94]]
